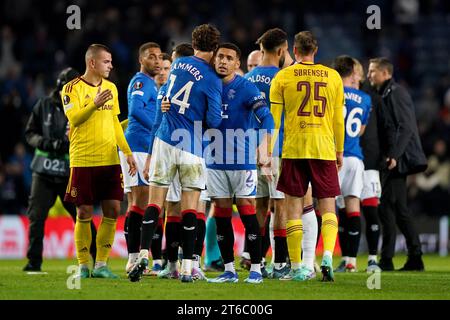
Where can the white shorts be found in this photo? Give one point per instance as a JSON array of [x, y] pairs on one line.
[[138, 179], [372, 185], [351, 177], [266, 188], [174, 192], [230, 183], [167, 160]]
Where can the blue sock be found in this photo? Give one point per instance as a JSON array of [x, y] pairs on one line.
[[212, 252]]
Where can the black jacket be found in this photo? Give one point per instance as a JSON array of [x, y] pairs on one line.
[[46, 131], [406, 147]]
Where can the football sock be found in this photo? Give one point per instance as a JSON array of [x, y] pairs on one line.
[[105, 238], [188, 222], [250, 222], [265, 236], [294, 235], [149, 223], [200, 234], [310, 228], [134, 228], [83, 238], [156, 246], [353, 232], [280, 246], [225, 234], [370, 211], [329, 231], [173, 237]]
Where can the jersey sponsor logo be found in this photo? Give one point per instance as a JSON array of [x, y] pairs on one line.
[[304, 124], [66, 99], [105, 107], [138, 85]]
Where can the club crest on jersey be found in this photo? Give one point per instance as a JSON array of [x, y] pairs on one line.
[[231, 94], [138, 85], [73, 192], [66, 100]]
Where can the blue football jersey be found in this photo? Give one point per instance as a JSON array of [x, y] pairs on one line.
[[194, 90], [243, 109], [262, 77], [356, 113], [142, 94]]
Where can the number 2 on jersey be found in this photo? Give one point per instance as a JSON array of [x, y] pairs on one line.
[[185, 91], [319, 111]]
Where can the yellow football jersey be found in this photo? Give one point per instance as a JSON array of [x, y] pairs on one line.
[[312, 97], [93, 137]]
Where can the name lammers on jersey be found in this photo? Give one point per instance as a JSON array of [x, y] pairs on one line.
[[353, 96], [310, 73], [190, 68]]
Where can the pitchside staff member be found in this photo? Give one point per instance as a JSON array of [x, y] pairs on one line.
[[404, 156], [46, 131]]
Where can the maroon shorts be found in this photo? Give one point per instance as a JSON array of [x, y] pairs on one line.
[[296, 174], [90, 184]]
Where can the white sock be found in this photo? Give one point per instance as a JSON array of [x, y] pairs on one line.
[[279, 265], [344, 258], [132, 257], [196, 261], [255, 267], [310, 229], [143, 254], [157, 261], [271, 236], [99, 264], [230, 267], [372, 257], [186, 266]]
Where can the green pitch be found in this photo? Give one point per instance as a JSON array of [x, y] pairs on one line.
[[431, 284]]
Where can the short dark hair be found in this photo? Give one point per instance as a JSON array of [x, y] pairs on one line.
[[146, 46], [205, 38], [344, 65], [166, 56], [183, 50], [232, 46], [383, 63], [305, 42], [272, 39], [95, 48]]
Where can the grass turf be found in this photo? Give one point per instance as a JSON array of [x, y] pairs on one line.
[[432, 284]]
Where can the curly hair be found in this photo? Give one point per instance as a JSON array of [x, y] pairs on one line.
[[205, 38]]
